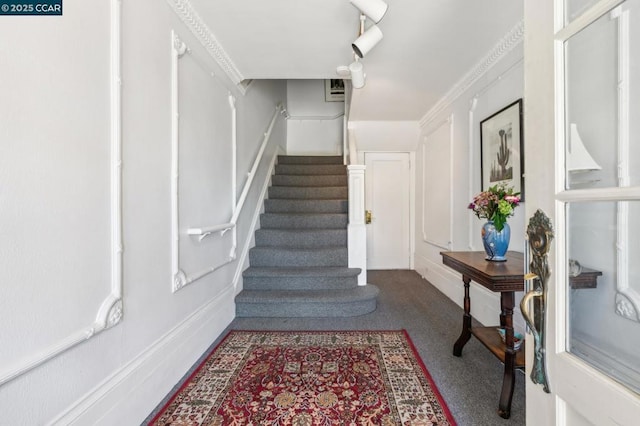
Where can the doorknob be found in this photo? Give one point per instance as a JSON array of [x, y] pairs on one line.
[[367, 216]]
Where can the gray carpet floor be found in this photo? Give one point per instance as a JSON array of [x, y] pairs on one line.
[[470, 384]]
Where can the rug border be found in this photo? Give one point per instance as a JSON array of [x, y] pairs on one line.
[[203, 361], [436, 391]]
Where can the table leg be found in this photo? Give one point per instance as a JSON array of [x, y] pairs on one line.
[[509, 379], [466, 320]]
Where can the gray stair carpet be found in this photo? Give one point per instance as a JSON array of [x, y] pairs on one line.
[[299, 266]]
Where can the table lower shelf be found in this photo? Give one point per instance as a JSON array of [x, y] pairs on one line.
[[491, 340]]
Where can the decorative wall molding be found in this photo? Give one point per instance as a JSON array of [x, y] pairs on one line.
[[512, 39], [445, 185], [180, 278], [192, 335], [197, 26], [110, 312]]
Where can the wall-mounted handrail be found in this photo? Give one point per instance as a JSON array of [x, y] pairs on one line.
[[208, 230], [256, 163], [180, 277], [315, 117]]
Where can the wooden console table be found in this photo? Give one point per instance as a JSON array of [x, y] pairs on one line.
[[505, 278]]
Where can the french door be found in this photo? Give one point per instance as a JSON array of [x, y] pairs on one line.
[[582, 148]]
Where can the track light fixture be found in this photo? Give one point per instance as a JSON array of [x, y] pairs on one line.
[[373, 9], [367, 41], [357, 75]]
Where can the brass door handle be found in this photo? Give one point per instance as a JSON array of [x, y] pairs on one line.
[[367, 216], [526, 313]]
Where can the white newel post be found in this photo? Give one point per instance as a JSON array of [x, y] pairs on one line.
[[357, 231]]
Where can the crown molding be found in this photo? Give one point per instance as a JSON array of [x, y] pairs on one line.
[[197, 26], [512, 39]]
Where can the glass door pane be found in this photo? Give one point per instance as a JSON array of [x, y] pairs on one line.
[[603, 272], [602, 97]]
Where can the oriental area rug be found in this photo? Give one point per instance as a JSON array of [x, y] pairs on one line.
[[309, 378]]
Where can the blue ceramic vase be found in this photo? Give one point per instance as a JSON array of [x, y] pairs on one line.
[[495, 243]]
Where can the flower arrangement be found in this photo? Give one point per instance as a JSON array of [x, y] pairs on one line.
[[495, 204]]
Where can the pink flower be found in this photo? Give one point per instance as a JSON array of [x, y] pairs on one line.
[[513, 199]]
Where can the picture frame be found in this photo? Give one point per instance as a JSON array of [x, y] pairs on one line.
[[334, 90], [502, 149]]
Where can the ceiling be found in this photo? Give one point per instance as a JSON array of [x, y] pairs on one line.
[[428, 45]]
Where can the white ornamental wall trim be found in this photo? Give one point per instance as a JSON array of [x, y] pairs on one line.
[[512, 39], [186, 12], [110, 312], [179, 277], [426, 238]]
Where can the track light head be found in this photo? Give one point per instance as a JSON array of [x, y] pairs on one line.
[[373, 9], [367, 41], [357, 75]]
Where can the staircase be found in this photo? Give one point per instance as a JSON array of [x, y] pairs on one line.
[[299, 266]]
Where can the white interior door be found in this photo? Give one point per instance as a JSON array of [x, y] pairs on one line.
[[388, 184], [582, 152]]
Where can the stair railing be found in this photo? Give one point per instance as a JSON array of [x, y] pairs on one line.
[[356, 230], [206, 231]]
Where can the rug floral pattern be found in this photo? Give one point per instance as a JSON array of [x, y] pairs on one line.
[[309, 378]]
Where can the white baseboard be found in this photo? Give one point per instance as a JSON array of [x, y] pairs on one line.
[[131, 393]]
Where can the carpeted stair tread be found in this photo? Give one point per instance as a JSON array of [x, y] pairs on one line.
[[295, 256], [307, 192], [301, 237], [310, 159], [311, 169], [297, 272], [308, 303], [326, 278], [304, 220], [309, 180], [279, 205], [309, 296]]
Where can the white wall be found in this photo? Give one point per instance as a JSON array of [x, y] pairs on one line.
[[57, 214], [389, 136], [315, 125], [448, 155]]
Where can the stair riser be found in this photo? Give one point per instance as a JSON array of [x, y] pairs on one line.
[[303, 192], [283, 309], [306, 206], [303, 239], [313, 180], [274, 257], [299, 283], [297, 169], [310, 159], [306, 221]]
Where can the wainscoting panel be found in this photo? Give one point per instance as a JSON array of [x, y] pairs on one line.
[[437, 184], [61, 214], [202, 171]]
